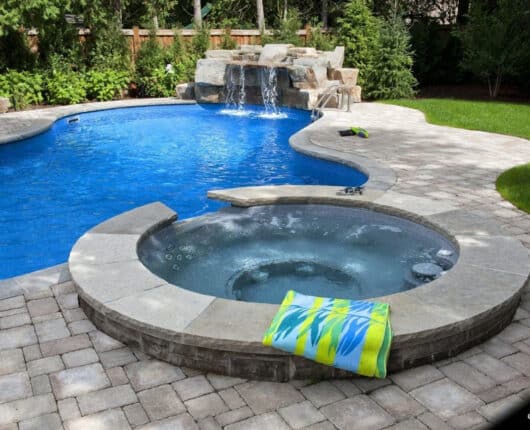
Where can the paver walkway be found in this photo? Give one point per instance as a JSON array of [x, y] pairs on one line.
[[57, 371]]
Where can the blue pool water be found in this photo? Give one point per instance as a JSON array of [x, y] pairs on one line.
[[57, 185]]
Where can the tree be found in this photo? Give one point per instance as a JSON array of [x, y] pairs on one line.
[[391, 75], [496, 40], [261, 15], [324, 14], [197, 13]]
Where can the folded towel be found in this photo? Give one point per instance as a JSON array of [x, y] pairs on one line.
[[347, 334], [354, 131]]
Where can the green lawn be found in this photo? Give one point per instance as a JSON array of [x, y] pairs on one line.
[[497, 117], [514, 186]]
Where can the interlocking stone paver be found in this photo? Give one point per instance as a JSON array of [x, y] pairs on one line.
[[234, 416], [14, 386], [32, 352], [17, 337], [468, 377], [466, 421], [161, 402], [135, 414], [322, 394], [519, 361], [445, 398], [269, 421], [301, 415], [44, 422], [67, 344], [192, 387], [71, 315], [359, 412], [42, 306], [209, 424], [397, 402], [416, 377], [51, 330], [12, 303], [67, 301], [433, 422], [205, 406], [15, 320], [109, 398], [348, 388], [113, 419], [11, 361], [497, 410], [117, 357], [102, 342], [497, 348], [117, 376], [180, 422], [268, 396], [495, 369], [45, 365], [232, 398], [514, 332], [221, 381], [62, 289], [324, 425], [80, 357], [367, 385], [68, 409], [410, 424], [41, 385], [147, 374], [79, 380], [81, 326], [46, 317], [10, 312], [25, 409]]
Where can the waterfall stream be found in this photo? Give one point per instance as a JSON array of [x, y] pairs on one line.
[[269, 90]]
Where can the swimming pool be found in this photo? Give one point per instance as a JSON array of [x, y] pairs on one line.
[[57, 185]]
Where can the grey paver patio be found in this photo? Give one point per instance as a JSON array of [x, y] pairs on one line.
[[477, 387]]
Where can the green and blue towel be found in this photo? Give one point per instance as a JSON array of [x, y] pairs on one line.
[[347, 334]]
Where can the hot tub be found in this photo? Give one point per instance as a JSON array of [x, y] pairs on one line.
[[257, 254]]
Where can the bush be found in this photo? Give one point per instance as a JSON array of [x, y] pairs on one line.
[[106, 84], [65, 87], [200, 42], [22, 88], [319, 40], [390, 76], [159, 83], [286, 32], [358, 31]]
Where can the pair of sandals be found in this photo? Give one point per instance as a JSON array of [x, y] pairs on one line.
[[354, 131]]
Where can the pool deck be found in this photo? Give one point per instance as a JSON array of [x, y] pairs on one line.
[[57, 369]]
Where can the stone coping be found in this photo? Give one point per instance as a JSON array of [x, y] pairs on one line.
[[470, 303]]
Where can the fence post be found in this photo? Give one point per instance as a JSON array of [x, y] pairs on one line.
[[136, 40]]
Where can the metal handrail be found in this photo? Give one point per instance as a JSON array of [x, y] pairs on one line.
[[325, 97]]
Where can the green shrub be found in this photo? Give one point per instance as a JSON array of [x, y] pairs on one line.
[[286, 31], [22, 88], [200, 42], [65, 87], [358, 31], [159, 83], [391, 73], [105, 84], [319, 40]]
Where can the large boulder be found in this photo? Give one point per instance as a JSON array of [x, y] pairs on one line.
[[185, 91], [345, 76], [274, 53], [334, 59], [303, 77], [210, 72], [318, 65], [220, 54]]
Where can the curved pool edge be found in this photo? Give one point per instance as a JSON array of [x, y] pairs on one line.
[[469, 304], [40, 120]]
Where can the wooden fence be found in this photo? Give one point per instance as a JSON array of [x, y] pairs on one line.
[[136, 36]]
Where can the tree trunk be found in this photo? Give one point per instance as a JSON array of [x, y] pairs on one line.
[[118, 12], [155, 21], [497, 87], [197, 13], [285, 10], [324, 14], [261, 15], [463, 10]]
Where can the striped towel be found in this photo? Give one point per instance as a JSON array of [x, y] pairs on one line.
[[347, 334]]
